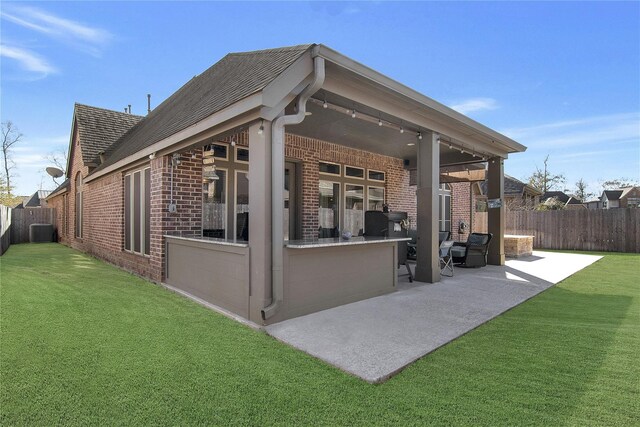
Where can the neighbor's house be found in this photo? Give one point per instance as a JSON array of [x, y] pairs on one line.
[[517, 195], [224, 190], [628, 197], [562, 200], [36, 200]]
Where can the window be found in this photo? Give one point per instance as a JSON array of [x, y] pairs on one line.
[[376, 175], [329, 209], [137, 211], [375, 199], [242, 155], [352, 172], [354, 208], [329, 168], [219, 151], [242, 205], [214, 203], [79, 205], [444, 197]]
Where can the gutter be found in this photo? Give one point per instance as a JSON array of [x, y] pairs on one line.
[[277, 186]]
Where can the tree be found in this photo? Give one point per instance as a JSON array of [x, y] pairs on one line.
[[10, 137], [59, 159], [614, 184], [582, 192], [544, 180]]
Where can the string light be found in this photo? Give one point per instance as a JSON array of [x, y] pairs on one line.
[[401, 129], [420, 136], [324, 104], [379, 122], [261, 128], [353, 114]]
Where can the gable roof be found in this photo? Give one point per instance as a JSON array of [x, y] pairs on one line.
[[612, 194], [34, 201], [233, 78], [511, 186], [561, 196], [60, 188], [99, 129]]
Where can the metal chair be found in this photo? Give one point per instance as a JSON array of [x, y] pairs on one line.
[[446, 260]]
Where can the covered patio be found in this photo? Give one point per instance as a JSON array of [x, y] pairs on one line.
[[325, 122], [376, 338]]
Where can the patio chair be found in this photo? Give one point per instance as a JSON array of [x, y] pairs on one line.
[[473, 252], [446, 261], [412, 252]]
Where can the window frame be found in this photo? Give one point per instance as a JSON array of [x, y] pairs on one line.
[[384, 193], [340, 207], [221, 144], [235, 155], [384, 174], [145, 211], [235, 199], [79, 210], [344, 201], [364, 173], [226, 203], [339, 174]]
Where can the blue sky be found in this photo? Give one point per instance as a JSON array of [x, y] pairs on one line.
[[561, 78]]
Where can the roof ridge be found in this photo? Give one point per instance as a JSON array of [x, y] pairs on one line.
[[275, 49], [76, 104]]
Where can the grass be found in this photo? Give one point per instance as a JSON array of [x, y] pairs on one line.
[[84, 343]]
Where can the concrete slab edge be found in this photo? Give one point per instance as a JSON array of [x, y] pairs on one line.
[[215, 308]]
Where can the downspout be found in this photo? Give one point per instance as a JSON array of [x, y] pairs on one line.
[[277, 186]]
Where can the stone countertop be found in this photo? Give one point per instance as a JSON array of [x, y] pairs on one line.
[[338, 241]]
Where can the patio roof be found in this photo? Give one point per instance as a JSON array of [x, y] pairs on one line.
[[244, 87]]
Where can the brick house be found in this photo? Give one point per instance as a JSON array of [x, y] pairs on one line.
[[628, 197], [306, 137]]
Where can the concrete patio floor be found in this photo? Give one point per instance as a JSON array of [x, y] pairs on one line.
[[376, 338]]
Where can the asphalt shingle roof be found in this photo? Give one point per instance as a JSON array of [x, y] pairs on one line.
[[233, 78], [511, 185], [613, 194], [99, 129]]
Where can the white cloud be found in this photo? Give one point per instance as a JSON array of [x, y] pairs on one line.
[[27, 60], [85, 37], [602, 130], [475, 104]]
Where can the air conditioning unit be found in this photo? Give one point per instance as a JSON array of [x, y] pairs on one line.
[[41, 233]]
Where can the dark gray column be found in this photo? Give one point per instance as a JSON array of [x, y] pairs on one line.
[[259, 218], [496, 218], [428, 262]]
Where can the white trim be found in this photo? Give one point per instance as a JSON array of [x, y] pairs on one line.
[[364, 173], [369, 187], [220, 144], [344, 199], [329, 173], [339, 210], [376, 171], [235, 157]]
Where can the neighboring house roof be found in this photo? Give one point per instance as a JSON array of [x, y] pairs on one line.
[[60, 189], [561, 196], [233, 78], [512, 186], [99, 129], [35, 199], [613, 194]]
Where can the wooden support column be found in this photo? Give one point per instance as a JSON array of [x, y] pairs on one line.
[[428, 262], [259, 219], [496, 216]]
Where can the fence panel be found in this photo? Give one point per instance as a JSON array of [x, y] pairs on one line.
[[21, 219], [5, 228], [610, 230]]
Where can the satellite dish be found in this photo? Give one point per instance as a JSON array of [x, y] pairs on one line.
[[54, 172]]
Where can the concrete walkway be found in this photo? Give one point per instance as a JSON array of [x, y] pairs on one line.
[[376, 338]]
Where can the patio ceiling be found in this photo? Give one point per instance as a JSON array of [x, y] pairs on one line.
[[336, 125]]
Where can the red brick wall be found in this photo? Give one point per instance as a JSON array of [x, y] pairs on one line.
[[103, 233], [460, 209]]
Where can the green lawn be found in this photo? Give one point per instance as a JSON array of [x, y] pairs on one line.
[[85, 343]]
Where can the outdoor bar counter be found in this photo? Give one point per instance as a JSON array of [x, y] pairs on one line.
[[318, 274]]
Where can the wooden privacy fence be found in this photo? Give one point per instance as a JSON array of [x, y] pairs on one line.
[[610, 230], [21, 219], [5, 228]]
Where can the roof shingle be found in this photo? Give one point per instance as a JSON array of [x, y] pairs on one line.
[[233, 78], [99, 129]]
